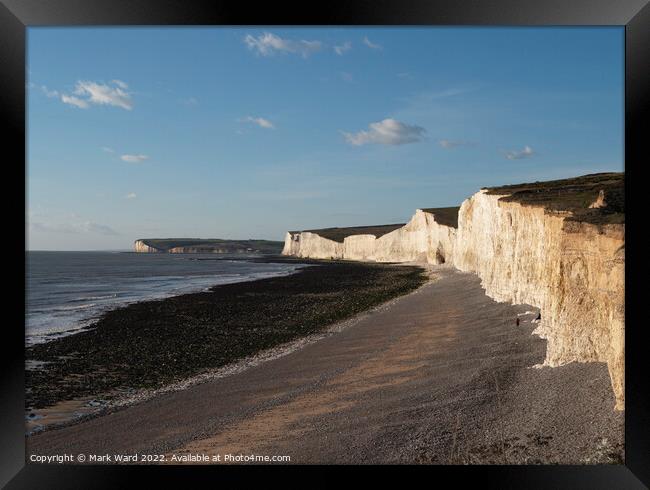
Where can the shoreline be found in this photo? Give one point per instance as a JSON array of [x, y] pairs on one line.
[[233, 368], [442, 375], [100, 403], [191, 286]]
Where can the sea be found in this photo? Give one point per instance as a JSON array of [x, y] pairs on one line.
[[66, 291]]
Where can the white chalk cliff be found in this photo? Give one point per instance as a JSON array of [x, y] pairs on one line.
[[573, 271], [422, 239], [142, 247]]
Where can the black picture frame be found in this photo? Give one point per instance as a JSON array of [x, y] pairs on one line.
[[17, 15]]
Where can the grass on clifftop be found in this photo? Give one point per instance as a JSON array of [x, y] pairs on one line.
[[339, 234], [445, 216], [574, 195]]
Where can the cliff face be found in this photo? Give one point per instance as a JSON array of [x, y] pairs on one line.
[[422, 239], [360, 247], [307, 244], [553, 251], [291, 244], [572, 271], [140, 246]]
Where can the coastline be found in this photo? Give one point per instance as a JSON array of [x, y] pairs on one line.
[[439, 376], [389, 281], [54, 309]]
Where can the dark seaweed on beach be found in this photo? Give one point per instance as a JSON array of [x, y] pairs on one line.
[[153, 343]]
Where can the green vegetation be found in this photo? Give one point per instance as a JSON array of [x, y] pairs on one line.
[[209, 245], [445, 216], [338, 234], [574, 195]]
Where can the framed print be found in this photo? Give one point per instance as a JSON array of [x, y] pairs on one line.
[[372, 234]]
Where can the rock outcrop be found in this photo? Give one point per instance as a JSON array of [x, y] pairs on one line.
[[559, 246]]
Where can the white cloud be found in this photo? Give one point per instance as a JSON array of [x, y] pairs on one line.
[[260, 121], [370, 44], [90, 227], [74, 101], [134, 158], [190, 102], [387, 132], [86, 93], [44, 90], [519, 154], [268, 44], [52, 228], [107, 149], [48, 92], [347, 76], [450, 92], [340, 50], [427, 98], [450, 144], [131, 195]]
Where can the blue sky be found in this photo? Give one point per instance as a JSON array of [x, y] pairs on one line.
[[249, 132]]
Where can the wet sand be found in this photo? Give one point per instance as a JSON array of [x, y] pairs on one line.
[[443, 375]]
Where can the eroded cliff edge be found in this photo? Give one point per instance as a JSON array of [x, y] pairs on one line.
[[558, 245]]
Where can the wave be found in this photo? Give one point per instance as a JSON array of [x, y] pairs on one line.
[[84, 306], [93, 298], [51, 314]]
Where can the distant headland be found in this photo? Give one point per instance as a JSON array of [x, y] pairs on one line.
[[205, 245]]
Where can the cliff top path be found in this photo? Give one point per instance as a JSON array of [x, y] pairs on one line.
[[443, 375]]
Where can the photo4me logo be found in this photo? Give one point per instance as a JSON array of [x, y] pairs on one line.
[[255, 458]]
